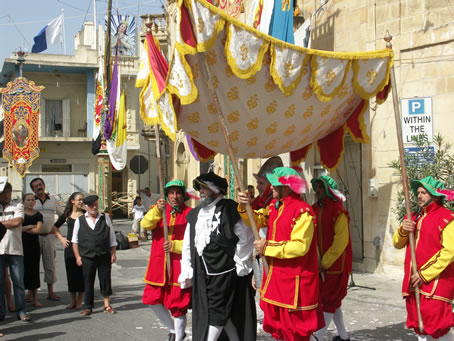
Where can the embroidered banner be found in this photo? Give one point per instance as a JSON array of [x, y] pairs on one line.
[[21, 103]]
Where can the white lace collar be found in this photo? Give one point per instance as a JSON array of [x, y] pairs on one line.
[[205, 225]]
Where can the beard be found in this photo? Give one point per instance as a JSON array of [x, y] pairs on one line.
[[206, 200]]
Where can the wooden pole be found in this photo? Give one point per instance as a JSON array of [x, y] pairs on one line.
[[230, 150], [161, 192], [403, 168]]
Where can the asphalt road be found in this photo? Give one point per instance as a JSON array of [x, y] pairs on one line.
[[373, 310]]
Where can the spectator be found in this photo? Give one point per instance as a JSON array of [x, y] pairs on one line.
[[31, 228], [95, 246], [138, 210], [74, 273], [11, 252], [48, 206], [148, 198]]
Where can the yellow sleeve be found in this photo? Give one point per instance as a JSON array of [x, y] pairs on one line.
[[177, 246], [260, 216], [301, 239], [151, 219], [400, 238], [442, 258], [340, 242]]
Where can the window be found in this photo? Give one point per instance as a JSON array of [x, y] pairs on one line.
[[56, 120]]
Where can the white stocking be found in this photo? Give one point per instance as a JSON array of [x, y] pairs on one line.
[[447, 337], [180, 326], [214, 332], [321, 332], [164, 316], [338, 319], [231, 331]]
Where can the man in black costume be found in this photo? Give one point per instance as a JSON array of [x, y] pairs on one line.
[[217, 262]]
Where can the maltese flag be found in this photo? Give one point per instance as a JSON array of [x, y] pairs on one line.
[[49, 35]]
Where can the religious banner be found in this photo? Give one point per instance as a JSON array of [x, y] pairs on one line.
[[21, 103]]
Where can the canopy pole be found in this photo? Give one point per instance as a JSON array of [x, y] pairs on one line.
[[403, 168], [230, 150], [161, 192]]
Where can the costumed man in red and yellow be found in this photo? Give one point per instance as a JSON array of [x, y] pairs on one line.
[[335, 247], [433, 228], [162, 292], [289, 294]]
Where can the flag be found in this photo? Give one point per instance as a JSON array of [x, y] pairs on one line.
[[114, 87], [155, 103], [116, 145], [49, 35], [281, 26], [99, 97], [303, 35]]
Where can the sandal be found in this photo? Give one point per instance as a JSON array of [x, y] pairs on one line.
[[53, 297], [70, 306], [24, 317], [110, 310], [86, 312]]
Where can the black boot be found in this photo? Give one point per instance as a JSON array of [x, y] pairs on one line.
[[172, 337], [338, 338]]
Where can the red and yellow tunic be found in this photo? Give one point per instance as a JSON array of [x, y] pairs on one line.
[[160, 288], [289, 293], [335, 247], [434, 248]]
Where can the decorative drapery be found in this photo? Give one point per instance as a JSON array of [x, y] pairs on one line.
[[21, 103], [275, 97]]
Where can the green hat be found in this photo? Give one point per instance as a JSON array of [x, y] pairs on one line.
[[285, 176], [176, 183], [432, 185], [329, 184]]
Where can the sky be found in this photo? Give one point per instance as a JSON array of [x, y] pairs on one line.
[[21, 20]]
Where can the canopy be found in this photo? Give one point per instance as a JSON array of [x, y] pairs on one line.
[[275, 97]]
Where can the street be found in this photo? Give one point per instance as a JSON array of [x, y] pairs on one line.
[[369, 314]]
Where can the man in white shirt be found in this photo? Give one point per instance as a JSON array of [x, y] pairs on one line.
[[48, 206], [94, 246], [11, 252], [148, 198]]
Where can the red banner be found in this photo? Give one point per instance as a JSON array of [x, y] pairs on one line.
[[21, 103]]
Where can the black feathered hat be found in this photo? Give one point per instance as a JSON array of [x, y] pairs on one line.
[[212, 181]]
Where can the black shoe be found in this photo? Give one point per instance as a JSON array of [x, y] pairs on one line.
[[172, 337], [338, 338]]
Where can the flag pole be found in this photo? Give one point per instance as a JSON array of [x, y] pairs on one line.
[[403, 168], [63, 29], [161, 192], [230, 150]]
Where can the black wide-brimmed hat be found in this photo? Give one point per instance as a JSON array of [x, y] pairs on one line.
[[269, 166], [212, 181], [90, 199]]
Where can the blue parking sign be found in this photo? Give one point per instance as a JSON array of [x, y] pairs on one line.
[[416, 106]]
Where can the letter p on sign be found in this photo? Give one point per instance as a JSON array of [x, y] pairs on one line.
[[416, 106]]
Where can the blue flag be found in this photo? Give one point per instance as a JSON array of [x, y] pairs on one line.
[[281, 26]]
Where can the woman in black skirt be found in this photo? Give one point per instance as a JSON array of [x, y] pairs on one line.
[[73, 210], [31, 228]]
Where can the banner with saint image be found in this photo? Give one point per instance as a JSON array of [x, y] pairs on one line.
[[21, 103]]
